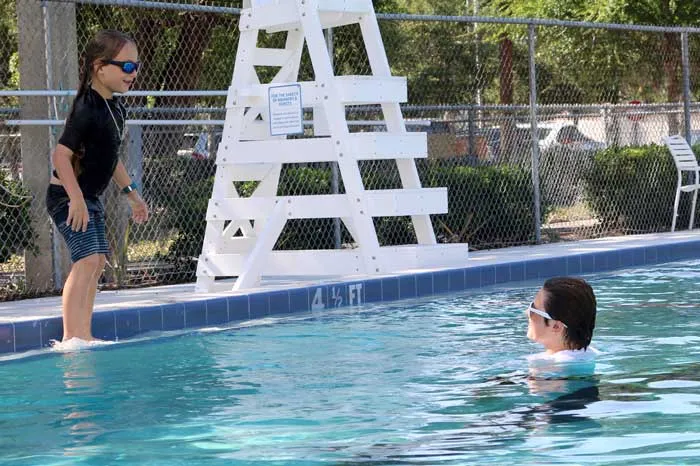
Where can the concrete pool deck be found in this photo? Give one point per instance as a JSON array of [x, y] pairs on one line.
[[32, 323]]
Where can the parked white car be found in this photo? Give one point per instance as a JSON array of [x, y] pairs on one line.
[[553, 136], [566, 136]]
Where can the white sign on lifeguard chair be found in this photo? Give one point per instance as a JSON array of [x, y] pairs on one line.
[[241, 232]]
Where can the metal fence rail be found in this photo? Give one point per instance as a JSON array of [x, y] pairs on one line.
[[530, 124]]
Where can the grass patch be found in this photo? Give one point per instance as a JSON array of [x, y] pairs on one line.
[[576, 212], [149, 249]]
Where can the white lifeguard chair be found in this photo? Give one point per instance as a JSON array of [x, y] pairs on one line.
[[241, 231]]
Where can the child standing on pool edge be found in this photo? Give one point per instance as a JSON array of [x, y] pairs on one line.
[[562, 319], [85, 159]]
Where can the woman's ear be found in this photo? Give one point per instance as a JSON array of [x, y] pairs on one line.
[[557, 326]]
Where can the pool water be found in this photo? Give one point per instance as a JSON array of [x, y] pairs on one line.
[[435, 381]]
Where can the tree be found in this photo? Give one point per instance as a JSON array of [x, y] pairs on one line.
[[666, 12], [8, 49], [604, 64], [577, 65]]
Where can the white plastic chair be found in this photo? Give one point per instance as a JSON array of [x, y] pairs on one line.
[[684, 158]]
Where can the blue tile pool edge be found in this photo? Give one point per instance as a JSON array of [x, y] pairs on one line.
[[122, 324]]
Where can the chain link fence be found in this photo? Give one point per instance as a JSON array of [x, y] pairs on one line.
[[606, 98]]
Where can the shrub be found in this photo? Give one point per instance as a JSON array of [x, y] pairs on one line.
[[308, 233], [16, 232], [187, 203], [489, 206], [179, 188], [171, 184], [561, 175], [191, 221], [631, 189]]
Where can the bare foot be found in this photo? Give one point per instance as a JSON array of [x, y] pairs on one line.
[[70, 337]]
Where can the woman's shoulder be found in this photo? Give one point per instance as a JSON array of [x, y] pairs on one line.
[[579, 355], [582, 354]]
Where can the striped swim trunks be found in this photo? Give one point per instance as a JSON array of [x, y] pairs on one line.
[[82, 244]]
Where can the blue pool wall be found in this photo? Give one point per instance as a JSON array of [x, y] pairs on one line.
[[125, 323]]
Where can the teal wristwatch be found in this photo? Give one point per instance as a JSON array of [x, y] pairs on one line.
[[128, 189]]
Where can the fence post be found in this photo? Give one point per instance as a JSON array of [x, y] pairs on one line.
[[535, 138], [62, 73], [134, 157], [471, 132], [686, 84], [335, 182], [40, 66]]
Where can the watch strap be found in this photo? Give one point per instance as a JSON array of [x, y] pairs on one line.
[[128, 189]]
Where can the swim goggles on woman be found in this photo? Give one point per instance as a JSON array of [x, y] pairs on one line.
[[127, 67], [534, 310]]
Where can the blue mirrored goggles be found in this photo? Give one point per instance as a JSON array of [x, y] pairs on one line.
[[127, 67], [534, 310]]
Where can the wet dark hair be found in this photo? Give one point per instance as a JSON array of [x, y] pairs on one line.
[[104, 46], [571, 300]]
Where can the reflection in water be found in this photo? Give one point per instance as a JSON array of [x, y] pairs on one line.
[[567, 387], [82, 390], [574, 395], [555, 402]]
